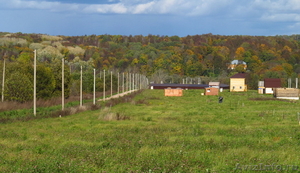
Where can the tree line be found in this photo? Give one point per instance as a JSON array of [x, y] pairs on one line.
[[173, 57]]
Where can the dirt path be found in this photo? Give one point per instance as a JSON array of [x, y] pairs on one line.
[[117, 95]]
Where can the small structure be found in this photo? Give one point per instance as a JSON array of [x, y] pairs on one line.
[[235, 63], [214, 84], [261, 87], [238, 83], [213, 88], [270, 84], [211, 91], [173, 92], [286, 93], [184, 86]]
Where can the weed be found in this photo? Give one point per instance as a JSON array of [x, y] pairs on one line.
[[108, 115], [53, 111], [147, 118]]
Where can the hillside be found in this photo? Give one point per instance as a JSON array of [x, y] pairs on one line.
[[160, 58]]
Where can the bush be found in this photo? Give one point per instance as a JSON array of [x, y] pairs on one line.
[[18, 88]]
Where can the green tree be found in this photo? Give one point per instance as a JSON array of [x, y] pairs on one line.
[[57, 71], [87, 81], [288, 69], [25, 57], [18, 88], [45, 82], [240, 68]]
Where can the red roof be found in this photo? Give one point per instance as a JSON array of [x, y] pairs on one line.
[[272, 83], [239, 75]]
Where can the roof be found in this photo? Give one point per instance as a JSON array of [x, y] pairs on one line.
[[272, 83], [214, 83], [236, 62], [239, 75], [185, 86]]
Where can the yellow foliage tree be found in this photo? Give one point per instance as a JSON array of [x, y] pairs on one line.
[[288, 68], [239, 53], [135, 61]]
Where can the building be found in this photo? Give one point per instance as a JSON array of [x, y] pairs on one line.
[[214, 84], [270, 84], [184, 86], [261, 87], [238, 83], [235, 63], [212, 89], [286, 93], [173, 92]]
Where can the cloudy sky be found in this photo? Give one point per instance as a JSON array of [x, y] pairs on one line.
[[156, 17]]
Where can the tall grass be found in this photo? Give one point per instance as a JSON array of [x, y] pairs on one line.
[[192, 133], [13, 111], [7, 105]]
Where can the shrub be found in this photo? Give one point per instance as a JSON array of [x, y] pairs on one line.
[[18, 88]]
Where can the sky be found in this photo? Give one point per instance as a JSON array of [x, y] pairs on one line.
[[155, 17]]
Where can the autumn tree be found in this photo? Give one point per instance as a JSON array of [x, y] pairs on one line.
[[239, 53]]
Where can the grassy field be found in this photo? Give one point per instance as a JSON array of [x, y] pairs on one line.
[[152, 133]]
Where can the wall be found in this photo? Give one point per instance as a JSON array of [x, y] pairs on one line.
[[237, 85], [211, 91], [173, 92]]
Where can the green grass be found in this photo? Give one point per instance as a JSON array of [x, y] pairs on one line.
[[153, 133]]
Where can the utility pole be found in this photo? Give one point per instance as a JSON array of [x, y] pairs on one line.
[[94, 96], [3, 80], [62, 84], [34, 84], [80, 86], [103, 85]]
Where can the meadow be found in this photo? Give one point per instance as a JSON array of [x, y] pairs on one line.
[[153, 133]]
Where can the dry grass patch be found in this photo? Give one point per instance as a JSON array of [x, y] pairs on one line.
[[107, 115]]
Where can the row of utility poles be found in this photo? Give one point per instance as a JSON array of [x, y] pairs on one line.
[[133, 82]]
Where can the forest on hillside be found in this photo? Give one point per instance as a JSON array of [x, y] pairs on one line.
[[160, 58]]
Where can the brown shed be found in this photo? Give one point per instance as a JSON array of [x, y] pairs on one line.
[[270, 84], [173, 92], [211, 91]]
